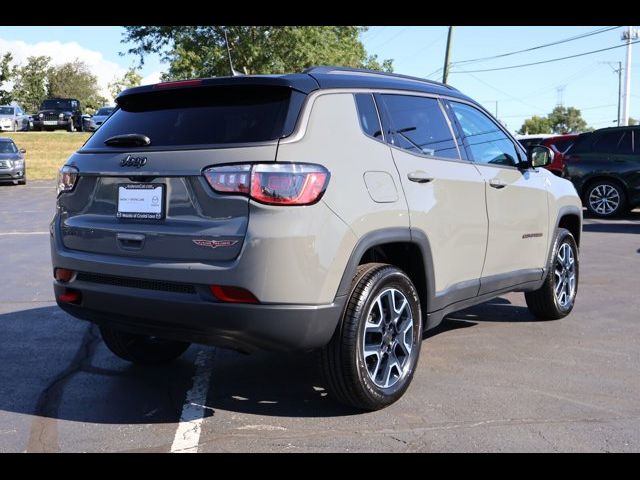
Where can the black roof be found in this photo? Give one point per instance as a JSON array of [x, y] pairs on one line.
[[323, 77]]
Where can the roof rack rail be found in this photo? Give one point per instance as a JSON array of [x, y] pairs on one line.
[[331, 69]]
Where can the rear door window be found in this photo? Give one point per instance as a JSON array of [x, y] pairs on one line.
[[608, 142], [419, 126], [625, 146], [199, 116]]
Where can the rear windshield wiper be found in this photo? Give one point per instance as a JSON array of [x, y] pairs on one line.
[[128, 140]]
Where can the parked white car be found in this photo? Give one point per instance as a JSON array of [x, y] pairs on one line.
[[13, 118]]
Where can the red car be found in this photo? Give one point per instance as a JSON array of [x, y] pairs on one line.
[[559, 144]]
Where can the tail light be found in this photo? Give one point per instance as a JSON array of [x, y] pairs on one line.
[[271, 183], [233, 294], [70, 296], [67, 177], [63, 275]]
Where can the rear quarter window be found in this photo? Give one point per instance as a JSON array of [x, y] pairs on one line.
[[368, 115], [199, 116]]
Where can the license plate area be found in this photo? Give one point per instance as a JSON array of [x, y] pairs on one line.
[[141, 201], [50, 122]]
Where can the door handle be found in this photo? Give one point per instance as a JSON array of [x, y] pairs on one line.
[[419, 177], [495, 183]]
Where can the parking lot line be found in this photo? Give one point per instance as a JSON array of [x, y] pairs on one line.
[[24, 233], [187, 435]]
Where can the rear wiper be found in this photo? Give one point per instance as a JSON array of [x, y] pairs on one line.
[[128, 140]]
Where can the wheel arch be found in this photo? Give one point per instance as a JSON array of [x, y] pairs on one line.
[[600, 177], [407, 249]]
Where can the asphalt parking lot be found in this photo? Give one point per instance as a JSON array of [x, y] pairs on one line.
[[490, 378]]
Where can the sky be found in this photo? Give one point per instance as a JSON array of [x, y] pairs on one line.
[[588, 82]]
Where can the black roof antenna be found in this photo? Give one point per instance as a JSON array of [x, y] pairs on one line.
[[234, 73]]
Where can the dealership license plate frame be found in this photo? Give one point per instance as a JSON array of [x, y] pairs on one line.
[[145, 212]]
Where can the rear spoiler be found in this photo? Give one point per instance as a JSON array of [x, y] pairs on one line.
[[300, 82]]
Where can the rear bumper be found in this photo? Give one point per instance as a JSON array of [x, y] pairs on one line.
[[192, 317]]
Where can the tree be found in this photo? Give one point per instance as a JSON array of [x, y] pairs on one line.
[[535, 125], [130, 79], [75, 80], [6, 73], [30, 82], [566, 120], [201, 51]]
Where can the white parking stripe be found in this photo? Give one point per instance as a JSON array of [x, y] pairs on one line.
[[188, 432], [24, 233]]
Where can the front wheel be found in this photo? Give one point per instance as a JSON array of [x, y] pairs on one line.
[[141, 349], [556, 298], [370, 361]]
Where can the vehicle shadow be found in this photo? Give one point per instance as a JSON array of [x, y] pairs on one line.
[[56, 367]]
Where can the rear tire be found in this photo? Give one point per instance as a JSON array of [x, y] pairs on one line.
[[605, 199], [556, 298], [141, 349], [365, 365]]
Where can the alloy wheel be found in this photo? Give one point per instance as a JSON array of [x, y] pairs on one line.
[[604, 199], [388, 338], [565, 276]]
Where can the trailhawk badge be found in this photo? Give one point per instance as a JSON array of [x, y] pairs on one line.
[[215, 243]]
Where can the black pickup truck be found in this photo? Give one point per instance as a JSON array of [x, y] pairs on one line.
[[59, 113]]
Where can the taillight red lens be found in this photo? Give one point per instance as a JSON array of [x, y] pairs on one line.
[[271, 183], [70, 296], [233, 294], [288, 183], [63, 275]]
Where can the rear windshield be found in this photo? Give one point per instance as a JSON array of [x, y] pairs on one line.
[[563, 145], [199, 116]]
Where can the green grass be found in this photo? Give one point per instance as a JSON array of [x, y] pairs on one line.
[[46, 151]]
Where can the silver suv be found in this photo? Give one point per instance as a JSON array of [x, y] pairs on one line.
[[341, 210]]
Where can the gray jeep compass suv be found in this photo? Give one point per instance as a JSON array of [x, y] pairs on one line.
[[338, 210]]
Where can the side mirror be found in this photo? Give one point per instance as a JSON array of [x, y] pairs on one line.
[[537, 156], [22, 150]]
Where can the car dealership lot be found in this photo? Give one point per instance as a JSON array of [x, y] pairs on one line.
[[490, 378]]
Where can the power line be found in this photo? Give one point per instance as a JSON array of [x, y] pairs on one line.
[[547, 61], [402, 30], [517, 99], [423, 48], [570, 39]]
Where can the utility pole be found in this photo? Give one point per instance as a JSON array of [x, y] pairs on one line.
[[619, 72], [445, 73], [560, 97], [629, 36]]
